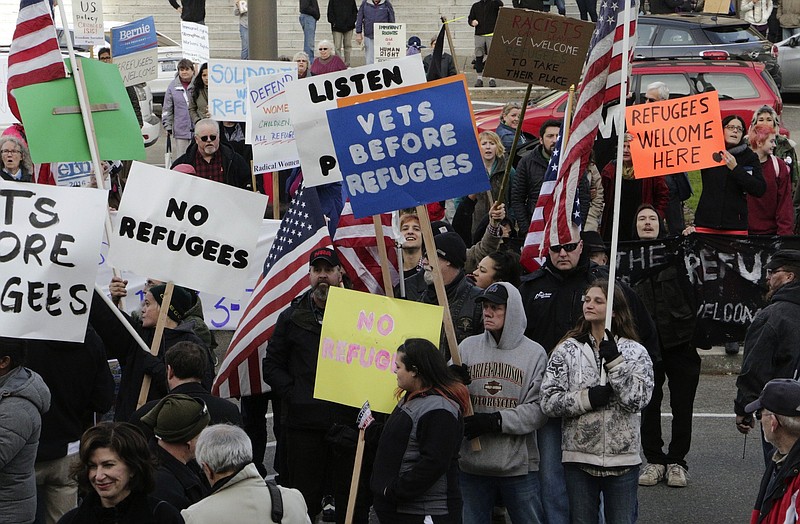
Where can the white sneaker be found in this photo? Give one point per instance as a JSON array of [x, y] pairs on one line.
[[652, 474], [677, 476]]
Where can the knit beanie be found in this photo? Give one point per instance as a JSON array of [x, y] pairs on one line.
[[181, 300]]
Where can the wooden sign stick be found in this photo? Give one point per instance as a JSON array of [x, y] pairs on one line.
[[156, 345], [441, 297], [276, 199], [387, 277], [351, 501]]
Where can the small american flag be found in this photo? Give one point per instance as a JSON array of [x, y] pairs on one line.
[[601, 84], [357, 247], [34, 55], [365, 417], [285, 276]]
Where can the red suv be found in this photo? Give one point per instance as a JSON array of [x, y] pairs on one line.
[[743, 87]]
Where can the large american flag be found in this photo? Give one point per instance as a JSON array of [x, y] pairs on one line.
[[357, 247], [601, 84], [302, 230], [34, 55]]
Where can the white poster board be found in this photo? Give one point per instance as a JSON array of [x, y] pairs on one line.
[[269, 127], [219, 311], [87, 22], [310, 98], [49, 245], [227, 85], [390, 41], [174, 226], [194, 41]]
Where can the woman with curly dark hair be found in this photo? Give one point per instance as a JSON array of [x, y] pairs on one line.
[[198, 103], [115, 472]]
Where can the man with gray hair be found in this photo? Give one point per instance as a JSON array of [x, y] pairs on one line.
[[778, 409], [214, 160], [237, 490]]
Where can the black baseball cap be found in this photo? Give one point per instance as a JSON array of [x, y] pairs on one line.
[[784, 257], [324, 253], [495, 293], [780, 396]]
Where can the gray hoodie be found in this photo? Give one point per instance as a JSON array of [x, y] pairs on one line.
[[506, 377], [24, 397]]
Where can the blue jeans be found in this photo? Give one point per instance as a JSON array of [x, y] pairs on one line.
[[243, 34], [619, 496], [309, 26], [369, 50], [560, 5], [520, 497], [554, 488]]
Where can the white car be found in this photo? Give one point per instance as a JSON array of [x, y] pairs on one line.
[[789, 60]]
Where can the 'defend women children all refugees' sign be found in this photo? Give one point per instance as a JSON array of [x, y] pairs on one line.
[[415, 147]]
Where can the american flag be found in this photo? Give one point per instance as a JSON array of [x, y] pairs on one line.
[[34, 55], [357, 247], [302, 230], [601, 84]]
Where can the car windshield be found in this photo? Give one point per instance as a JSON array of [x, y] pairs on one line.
[[732, 34]]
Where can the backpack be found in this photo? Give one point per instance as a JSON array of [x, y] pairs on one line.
[[277, 500]]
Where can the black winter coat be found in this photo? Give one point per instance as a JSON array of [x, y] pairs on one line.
[[771, 346], [527, 185], [310, 7], [192, 10], [723, 202], [177, 483], [137, 508], [553, 304], [290, 368], [485, 12], [134, 361], [80, 383], [342, 15], [671, 304], [235, 170]]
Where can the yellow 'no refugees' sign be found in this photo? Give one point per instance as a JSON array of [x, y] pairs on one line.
[[360, 336]]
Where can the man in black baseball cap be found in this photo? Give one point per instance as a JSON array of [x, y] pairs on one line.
[[327, 254], [772, 342], [451, 253], [778, 409], [290, 369]]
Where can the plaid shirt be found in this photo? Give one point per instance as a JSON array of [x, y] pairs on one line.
[[209, 170]]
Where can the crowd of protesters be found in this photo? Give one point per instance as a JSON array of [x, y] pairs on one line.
[[553, 397]]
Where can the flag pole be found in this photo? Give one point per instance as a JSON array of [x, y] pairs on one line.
[[88, 123], [441, 297], [446, 24], [620, 127], [501, 194]]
